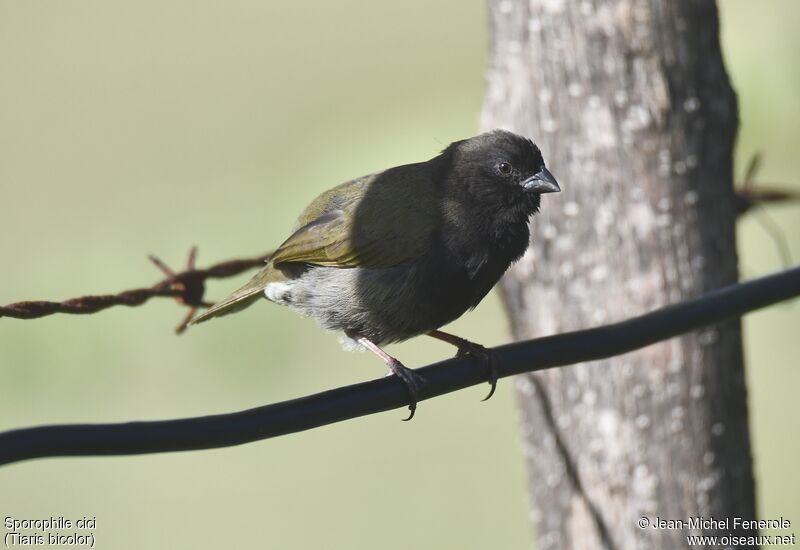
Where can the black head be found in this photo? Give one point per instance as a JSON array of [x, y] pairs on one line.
[[498, 169]]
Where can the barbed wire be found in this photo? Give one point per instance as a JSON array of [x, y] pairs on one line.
[[187, 287]]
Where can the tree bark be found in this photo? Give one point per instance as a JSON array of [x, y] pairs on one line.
[[631, 105]]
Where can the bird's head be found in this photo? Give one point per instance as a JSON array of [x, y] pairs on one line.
[[498, 170]]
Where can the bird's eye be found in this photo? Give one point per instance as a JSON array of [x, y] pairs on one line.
[[504, 168]]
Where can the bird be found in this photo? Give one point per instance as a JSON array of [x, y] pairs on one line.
[[402, 252]]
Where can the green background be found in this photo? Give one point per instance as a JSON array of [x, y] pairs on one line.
[[130, 128]]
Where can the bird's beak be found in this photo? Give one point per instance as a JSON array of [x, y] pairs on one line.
[[541, 182]]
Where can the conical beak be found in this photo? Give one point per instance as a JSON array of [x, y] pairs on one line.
[[541, 182]]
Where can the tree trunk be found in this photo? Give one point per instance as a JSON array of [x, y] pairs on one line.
[[633, 110]]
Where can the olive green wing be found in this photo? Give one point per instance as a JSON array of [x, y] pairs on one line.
[[381, 220]]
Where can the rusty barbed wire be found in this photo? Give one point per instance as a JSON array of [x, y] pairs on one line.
[[187, 287]]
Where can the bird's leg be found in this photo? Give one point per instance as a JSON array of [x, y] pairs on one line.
[[465, 347], [412, 380]]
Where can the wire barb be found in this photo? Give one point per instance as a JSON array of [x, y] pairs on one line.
[[750, 194], [191, 288], [752, 197]]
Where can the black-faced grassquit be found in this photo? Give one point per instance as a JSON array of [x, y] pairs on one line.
[[402, 252]]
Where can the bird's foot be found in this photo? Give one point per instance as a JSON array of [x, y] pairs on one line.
[[488, 356], [465, 347], [412, 381]]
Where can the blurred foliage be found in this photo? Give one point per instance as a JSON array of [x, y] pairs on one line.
[[127, 129]]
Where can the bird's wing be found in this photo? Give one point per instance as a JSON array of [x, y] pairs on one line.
[[381, 220]]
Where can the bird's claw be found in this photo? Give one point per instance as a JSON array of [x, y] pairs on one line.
[[412, 381], [480, 352]]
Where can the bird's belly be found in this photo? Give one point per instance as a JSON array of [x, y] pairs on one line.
[[385, 305]]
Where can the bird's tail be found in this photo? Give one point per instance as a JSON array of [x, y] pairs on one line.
[[242, 298]]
